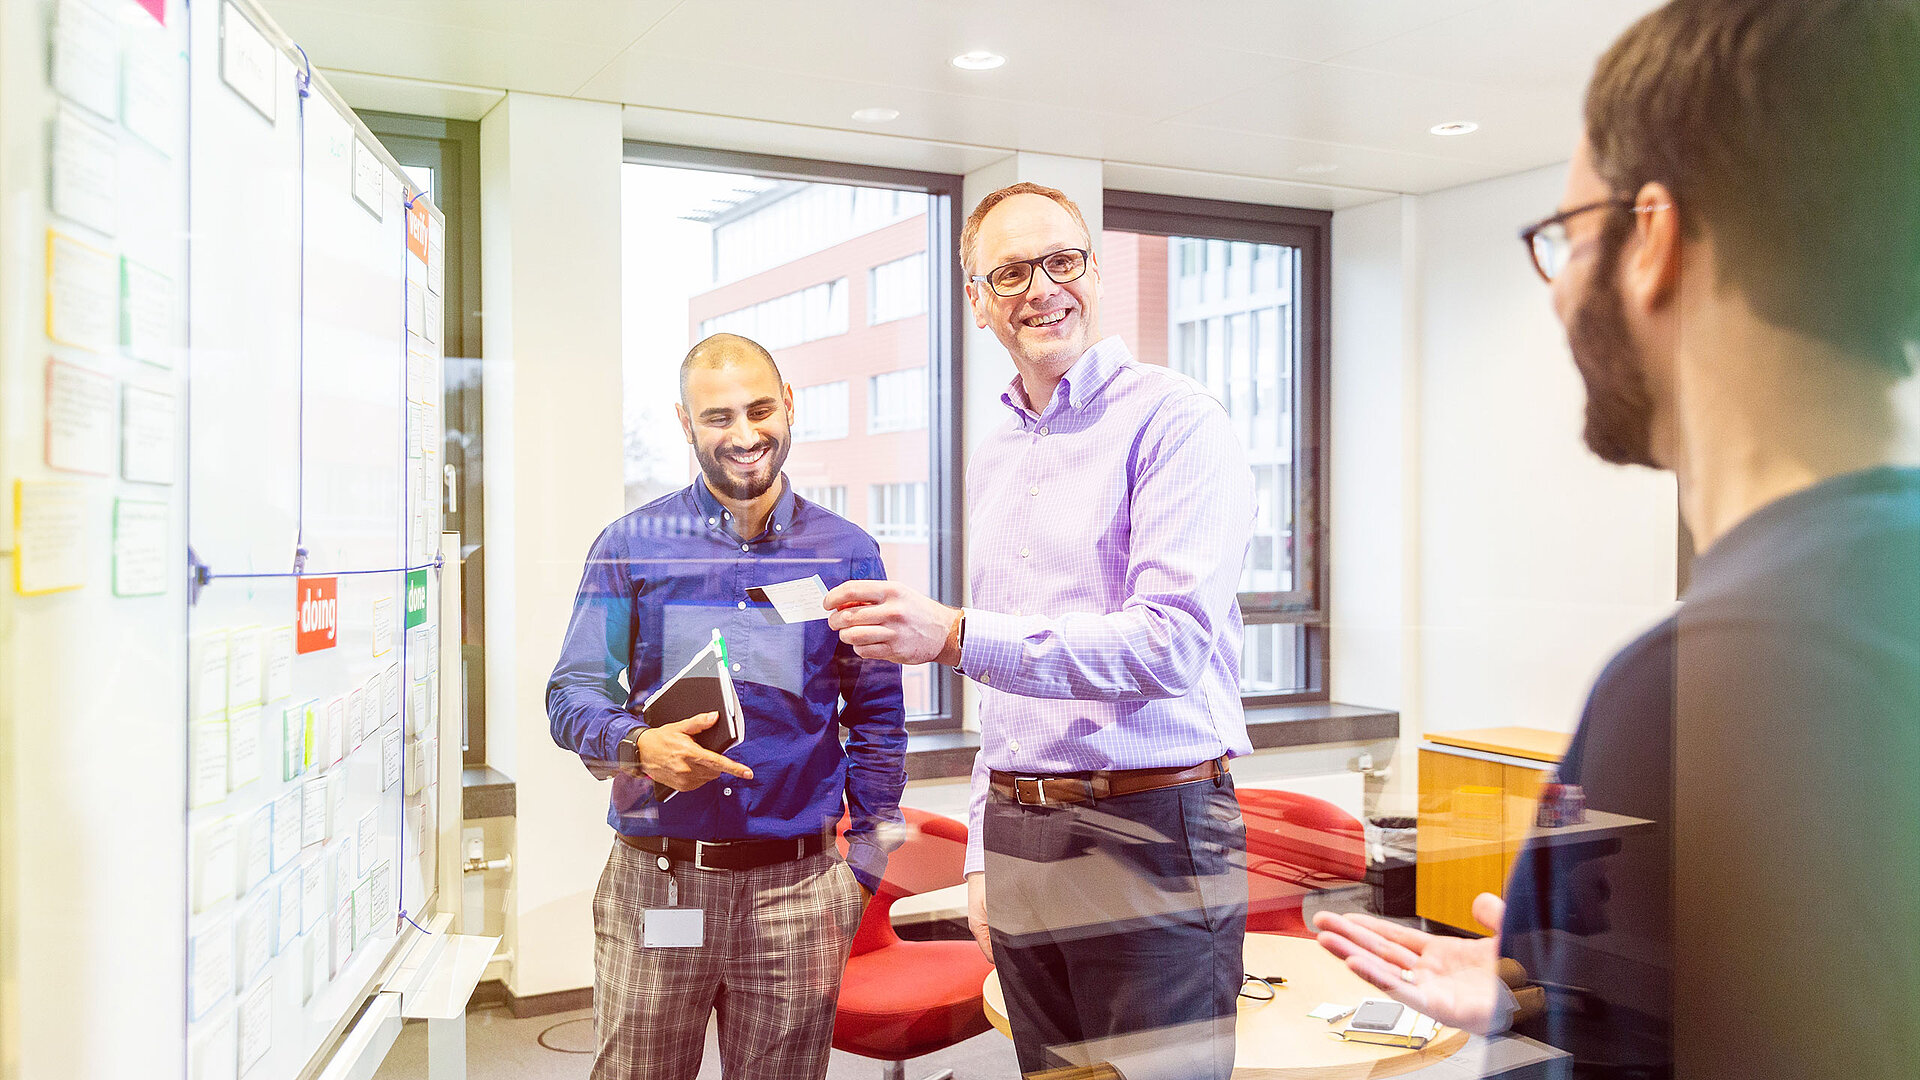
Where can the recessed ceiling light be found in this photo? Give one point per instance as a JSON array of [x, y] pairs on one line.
[[978, 60], [1456, 127], [876, 115], [1316, 168]]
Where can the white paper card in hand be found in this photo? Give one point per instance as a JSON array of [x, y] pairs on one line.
[[793, 601]]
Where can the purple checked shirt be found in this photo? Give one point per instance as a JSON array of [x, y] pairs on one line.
[[1107, 534]]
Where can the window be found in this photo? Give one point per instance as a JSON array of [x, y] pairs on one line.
[[820, 412], [1243, 311], [832, 497], [898, 511], [819, 311], [780, 249], [897, 401], [897, 289]]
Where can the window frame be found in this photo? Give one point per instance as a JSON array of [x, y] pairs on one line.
[[1309, 231], [451, 148], [946, 539]]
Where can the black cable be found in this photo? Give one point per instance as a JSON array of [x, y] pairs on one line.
[[542, 1037]]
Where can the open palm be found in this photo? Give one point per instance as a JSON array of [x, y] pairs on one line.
[[1454, 980]]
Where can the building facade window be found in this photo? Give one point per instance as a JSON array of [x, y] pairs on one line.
[[897, 512], [897, 401], [818, 311], [820, 412], [897, 289], [1235, 296], [829, 497]]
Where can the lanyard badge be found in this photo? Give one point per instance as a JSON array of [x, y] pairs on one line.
[[672, 927]]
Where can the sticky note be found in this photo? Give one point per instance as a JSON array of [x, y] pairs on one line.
[[287, 824], [313, 812], [287, 918], [82, 172], [141, 539], [148, 436], [368, 841], [86, 51], [49, 548], [244, 648], [209, 660], [256, 1025], [390, 759], [279, 663], [254, 943], [83, 290], [256, 847]]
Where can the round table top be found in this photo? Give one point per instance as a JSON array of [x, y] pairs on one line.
[[1277, 1040]]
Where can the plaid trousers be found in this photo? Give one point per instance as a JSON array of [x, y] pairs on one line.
[[777, 939]]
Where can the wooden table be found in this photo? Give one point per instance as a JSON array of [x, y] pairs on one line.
[[1277, 1040]]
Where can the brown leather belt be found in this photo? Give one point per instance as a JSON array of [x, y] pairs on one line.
[[728, 854], [1073, 789]]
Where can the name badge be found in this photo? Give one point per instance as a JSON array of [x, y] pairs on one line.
[[673, 928]]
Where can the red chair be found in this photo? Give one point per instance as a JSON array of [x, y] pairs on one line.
[[1296, 845], [901, 999]]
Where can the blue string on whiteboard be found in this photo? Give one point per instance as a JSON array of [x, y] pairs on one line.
[[205, 575]]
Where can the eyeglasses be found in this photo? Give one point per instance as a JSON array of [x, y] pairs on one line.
[[1547, 241], [1061, 266]]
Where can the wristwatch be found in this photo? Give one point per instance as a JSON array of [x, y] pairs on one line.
[[630, 748]]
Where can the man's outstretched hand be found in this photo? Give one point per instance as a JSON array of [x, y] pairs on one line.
[[884, 620], [1454, 980], [668, 755]]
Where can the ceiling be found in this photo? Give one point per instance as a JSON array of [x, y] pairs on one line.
[[1335, 94]]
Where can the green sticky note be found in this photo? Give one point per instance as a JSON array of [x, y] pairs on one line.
[[416, 597]]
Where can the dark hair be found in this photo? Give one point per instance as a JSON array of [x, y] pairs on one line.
[[719, 350], [1790, 131]]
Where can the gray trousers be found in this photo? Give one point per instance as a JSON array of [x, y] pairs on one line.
[[776, 944]]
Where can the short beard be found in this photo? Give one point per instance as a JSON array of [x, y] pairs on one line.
[[723, 483], [1619, 407]]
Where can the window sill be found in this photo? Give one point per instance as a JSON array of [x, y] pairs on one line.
[[486, 792], [942, 755]]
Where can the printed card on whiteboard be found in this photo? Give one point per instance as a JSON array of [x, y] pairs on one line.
[[208, 659], [391, 759], [256, 847], [48, 542], [146, 313], [243, 666], [81, 175], [207, 767], [383, 626], [279, 671], [140, 542], [390, 695], [255, 938], [212, 858], [243, 747], [436, 256], [247, 60], [256, 1025], [287, 915], [86, 54], [313, 891], [80, 435], [369, 179], [148, 436], [83, 284], [209, 968], [286, 829]]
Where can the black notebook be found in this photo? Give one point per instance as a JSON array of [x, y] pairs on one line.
[[704, 685]]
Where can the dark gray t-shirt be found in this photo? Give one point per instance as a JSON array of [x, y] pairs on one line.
[[1766, 919]]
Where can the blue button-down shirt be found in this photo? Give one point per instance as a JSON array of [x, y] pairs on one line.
[[1107, 530], [658, 582]]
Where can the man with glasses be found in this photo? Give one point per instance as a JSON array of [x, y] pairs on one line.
[[1737, 264], [1109, 514]]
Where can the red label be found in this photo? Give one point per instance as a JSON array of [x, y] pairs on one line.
[[157, 9], [317, 618], [417, 228]]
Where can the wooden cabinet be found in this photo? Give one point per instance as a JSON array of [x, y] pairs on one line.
[[1477, 795]]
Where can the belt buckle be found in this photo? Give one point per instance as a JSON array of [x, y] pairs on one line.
[[700, 855], [1039, 786]]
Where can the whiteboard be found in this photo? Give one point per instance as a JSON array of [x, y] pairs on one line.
[[304, 454]]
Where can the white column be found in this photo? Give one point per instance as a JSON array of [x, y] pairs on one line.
[[550, 210]]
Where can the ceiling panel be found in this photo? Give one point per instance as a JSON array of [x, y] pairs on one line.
[[1191, 146], [1515, 45], [1388, 111], [1111, 68]]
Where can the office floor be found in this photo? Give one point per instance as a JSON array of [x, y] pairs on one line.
[[500, 1047]]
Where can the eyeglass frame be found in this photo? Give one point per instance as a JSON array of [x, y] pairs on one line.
[[1038, 263], [1615, 202]]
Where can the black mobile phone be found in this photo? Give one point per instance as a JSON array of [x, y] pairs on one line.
[[1377, 1016]]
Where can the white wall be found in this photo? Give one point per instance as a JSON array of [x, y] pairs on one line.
[[1484, 563], [550, 235]]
